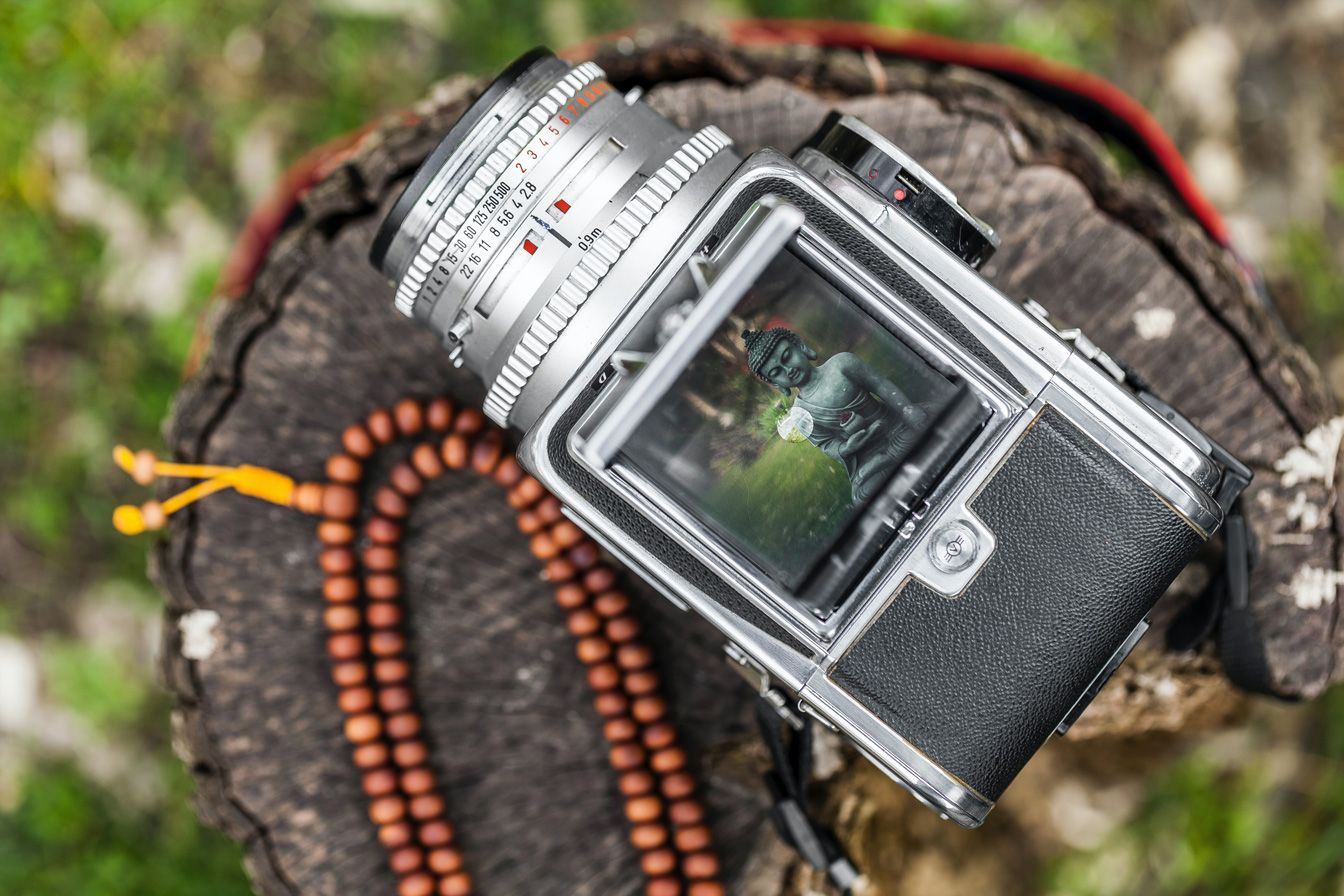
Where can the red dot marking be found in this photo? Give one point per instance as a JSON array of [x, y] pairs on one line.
[[898, 194], [561, 206], [530, 247]]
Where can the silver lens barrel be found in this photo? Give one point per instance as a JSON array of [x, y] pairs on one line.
[[515, 241]]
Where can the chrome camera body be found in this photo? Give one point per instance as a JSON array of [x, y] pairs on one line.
[[779, 390]]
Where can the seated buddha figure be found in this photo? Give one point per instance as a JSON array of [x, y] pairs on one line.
[[858, 417]]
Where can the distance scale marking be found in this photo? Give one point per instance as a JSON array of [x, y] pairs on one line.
[[467, 236]]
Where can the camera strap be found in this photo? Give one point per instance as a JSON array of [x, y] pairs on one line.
[[790, 752]]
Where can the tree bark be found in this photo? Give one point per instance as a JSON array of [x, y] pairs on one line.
[[314, 344]]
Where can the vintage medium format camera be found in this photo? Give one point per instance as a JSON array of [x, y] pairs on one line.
[[778, 389]]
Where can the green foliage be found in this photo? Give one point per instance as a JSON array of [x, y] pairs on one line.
[[68, 836], [1253, 827]]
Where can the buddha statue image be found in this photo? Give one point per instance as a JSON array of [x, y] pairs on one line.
[[854, 414]]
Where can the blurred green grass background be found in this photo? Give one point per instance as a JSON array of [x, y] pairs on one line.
[[136, 134]]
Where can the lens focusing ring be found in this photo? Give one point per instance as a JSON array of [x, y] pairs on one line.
[[424, 279], [588, 273]]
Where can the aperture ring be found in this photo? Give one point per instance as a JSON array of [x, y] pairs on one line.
[[496, 166], [604, 252]]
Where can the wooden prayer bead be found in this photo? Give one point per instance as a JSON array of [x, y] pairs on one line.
[[444, 860], [391, 671], [339, 502], [542, 546], [640, 684], [454, 450], [550, 510], [648, 836], [379, 782], [599, 579], [706, 888], [416, 885], [386, 642], [603, 676], [643, 809], [509, 472], [566, 535], [624, 757], [559, 570], [622, 629], [584, 555], [570, 596], [683, 813], [408, 416], [370, 755], [611, 703], [582, 622], [659, 735], [486, 452], [381, 426], [382, 530], [333, 532], [348, 673], [340, 589], [405, 480], [426, 806], [383, 614], [356, 440], [395, 699], [396, 834], [381, 558], [410, 753], [458, 884], [692, 839], [677, 785], [528, 522], [439, 413], [592, 650], [636, 783], [363, 728], [436, 833], [341, 618], [669, 760], [469, 421], [417, 780], [345, 646], [620, 729], [405, 725], [610, 604], [663, 886], [381, 586], [700, 865], [426, 461], [355, 700], [634, 656], [525, 493], [406, 860], [658, 862], [336, 561], [387, 809], [389, 502], [307, 497], [344, 468]]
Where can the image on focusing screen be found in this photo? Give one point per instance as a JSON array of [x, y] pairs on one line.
[[789, 420]]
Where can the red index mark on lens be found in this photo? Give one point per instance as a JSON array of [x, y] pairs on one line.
[[561, 206], [529, 247], [898, 194]]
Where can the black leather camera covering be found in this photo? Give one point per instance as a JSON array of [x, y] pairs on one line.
[[979, 682]]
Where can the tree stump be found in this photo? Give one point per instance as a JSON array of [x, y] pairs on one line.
[[315, 343]]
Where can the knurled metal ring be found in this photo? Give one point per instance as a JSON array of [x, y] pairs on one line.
[[616, 237]]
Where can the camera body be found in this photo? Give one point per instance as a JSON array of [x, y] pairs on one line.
[[778, 389]]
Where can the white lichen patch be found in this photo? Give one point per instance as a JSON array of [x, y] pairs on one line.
[[1312, 587], [198, 634], [1304, 514], [1314, 459], [1154, 323]]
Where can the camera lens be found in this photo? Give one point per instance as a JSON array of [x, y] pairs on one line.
[[515, 239]]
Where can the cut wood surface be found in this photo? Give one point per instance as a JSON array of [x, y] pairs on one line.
[[315, 344]]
